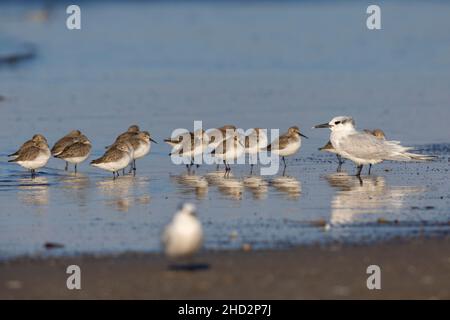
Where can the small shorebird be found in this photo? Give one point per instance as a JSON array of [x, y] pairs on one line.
[[132, 130], [77, 152], [218, 135], [378, 133], [254, 143], [64, 142], [116, 158], [364, 148], [229, 150], [36, 138], [183, 237], [141, 143], [188, 145], [33, 157], [287, 144]]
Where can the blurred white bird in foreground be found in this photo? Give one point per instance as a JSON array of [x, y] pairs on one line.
[[183, 236]]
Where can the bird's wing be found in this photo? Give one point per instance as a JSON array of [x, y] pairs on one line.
[[27, 154], [279, 143], [61, 144], [366, 146], [75, 150], [110, 155]]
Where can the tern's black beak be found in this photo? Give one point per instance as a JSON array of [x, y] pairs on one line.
[[319, 126], [302, 135], [153, 141]]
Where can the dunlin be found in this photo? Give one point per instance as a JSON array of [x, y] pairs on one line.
[[64, 142], [33, 157], [116, 158], [183, 237], [254, 143], [141, 143], [36, 138], [364, 148], [189, 145], [132, 130], [287, 144], [229, 150], [76, 152], [218, 135]]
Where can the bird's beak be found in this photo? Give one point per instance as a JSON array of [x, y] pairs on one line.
[[319, 126], [302, 135], [153, 141]]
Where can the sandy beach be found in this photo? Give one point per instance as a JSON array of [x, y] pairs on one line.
[[311, 272]]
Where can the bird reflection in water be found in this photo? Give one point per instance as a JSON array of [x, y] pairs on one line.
[[257, 186], [357, 197], [33, 192], [231, 187], [287, 185], [125, 192], [192, 183], [76, 186]]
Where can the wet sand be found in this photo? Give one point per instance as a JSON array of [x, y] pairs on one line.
[[412, 269]]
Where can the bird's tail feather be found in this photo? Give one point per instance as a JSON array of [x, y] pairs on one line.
[[420, 157]]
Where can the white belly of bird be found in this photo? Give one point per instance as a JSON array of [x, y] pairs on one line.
[[40, 161], [76, 160], [142, 150], [290, 149], [115, 165], [183, 238]]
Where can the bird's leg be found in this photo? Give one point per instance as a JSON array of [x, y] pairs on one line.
[[340, 161], [226, 167], [33, 173], [117, 172], [339, 168], [251, 169], [114, 175], [75, 168], [66, 167], [284, 171], [358, 173], [217, 167], [284, 161], [134, 168], [370, 168]]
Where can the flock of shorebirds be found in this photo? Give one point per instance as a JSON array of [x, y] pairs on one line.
[[226, 144], [183, 236]]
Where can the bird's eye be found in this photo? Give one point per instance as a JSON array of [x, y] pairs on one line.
[[337, 122]]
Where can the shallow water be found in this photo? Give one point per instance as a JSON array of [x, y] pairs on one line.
[[261, 64]]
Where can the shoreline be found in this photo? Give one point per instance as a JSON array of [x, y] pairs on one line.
[[417, 268]]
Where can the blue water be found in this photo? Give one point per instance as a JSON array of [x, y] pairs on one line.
[[261, 64]]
